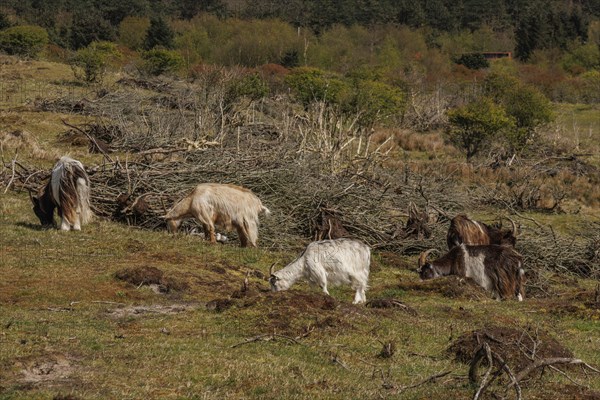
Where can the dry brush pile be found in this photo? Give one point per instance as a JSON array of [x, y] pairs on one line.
[[316, 169]]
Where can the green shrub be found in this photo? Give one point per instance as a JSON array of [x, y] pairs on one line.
[[530, 109], [251, 86], [90, 63], [24, 40], [159, 61], [591, 86], [525, 104], [313, 85], [582, 58], [377, 101], [132, 31], [473, 126]]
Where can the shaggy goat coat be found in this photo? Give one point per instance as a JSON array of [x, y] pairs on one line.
[[329, 263], [69, 191], [498, 269], [228, 206], [474, 233]]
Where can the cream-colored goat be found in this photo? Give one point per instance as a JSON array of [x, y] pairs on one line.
[[228, 206]]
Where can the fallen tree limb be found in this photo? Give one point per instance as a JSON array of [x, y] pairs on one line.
[[90, 137], [545, 362]]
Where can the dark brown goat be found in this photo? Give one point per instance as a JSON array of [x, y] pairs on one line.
[[471, 232], [498, 269]]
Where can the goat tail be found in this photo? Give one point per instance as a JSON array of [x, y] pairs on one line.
[[83, 193], [520, 283], [265, 210]]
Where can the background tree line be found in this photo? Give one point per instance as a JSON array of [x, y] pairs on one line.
[[373, 61], [539, 24]]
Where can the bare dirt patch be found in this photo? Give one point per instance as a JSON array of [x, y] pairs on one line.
[[516, 346], [36, 370], [153, 277], [452, 287], [219, 305], [391, 303], [160, 309]]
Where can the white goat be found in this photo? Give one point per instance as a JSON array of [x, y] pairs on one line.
[[328, 262], [229, 206]]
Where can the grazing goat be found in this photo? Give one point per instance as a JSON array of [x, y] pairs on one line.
[[471, 232], [498, 269], [228, 206], [328, 262], [68, 190]]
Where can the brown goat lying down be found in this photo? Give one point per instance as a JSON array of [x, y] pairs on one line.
[[228, 206], [498, 269]]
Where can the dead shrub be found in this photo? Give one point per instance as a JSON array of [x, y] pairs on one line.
[[517, 346]]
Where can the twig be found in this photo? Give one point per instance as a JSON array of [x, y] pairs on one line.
[[90, 137], [484, 350], [432, 378], [266, 338], [12, 177], [336, 360]]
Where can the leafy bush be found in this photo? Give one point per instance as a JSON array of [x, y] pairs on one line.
[[526, 105], [159, 61], [252, 86], [530, 109], [89, 64], [591, 86], [314, 85], [377, 101], [373, 101], [23, 40], [474, 125], [132, 32], [582, 58]]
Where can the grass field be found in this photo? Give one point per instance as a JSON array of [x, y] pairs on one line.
[[68, 326], [114, 312]]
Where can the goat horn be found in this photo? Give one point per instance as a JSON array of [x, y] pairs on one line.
[[271, 268], [423, 257], [514, 227]]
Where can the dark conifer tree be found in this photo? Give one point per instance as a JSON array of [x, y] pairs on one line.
[[159, 34]]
